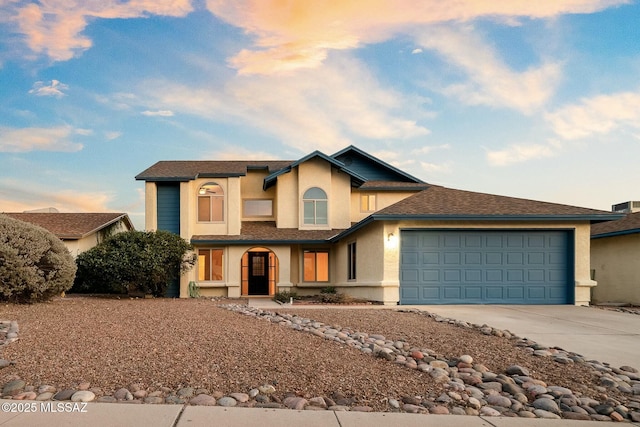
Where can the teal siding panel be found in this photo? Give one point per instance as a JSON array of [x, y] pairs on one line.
[[486, 267], [168, 207], [168, 214]]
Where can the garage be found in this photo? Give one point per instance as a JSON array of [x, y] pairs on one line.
[[486, 267]]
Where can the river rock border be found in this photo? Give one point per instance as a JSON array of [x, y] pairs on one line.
[[471, 389]]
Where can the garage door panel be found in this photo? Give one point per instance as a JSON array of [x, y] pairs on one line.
[[509, 267]]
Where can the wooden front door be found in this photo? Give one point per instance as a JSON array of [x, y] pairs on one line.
[[258, 273]]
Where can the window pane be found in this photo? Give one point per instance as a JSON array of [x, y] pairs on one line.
[[322, 266], [315, 193], [216, 265], [351, 261], [204, 264], [309, 266], [372, 202], [204, 213], [309, 212], [364, 203], [321, 212], [217, 208], [258, 208]]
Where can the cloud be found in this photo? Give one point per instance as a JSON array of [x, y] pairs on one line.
[[22, 140], [489, 79], [518, 153], [54, 27], [435, 167], [348, 103], [18, 196], [416, 50], [601, 114], [161, 113], [112, 135], [292, 35], [54, 89]]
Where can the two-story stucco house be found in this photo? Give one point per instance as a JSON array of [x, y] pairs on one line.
[[352, 221]]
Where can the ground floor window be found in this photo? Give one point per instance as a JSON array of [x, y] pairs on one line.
[[316, 266], [351, 261], [210, 265]]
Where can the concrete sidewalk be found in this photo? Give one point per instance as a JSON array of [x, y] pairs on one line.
[[604, 335], [126, 414]]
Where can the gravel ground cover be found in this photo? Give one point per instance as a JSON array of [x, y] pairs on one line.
[[163, 345]]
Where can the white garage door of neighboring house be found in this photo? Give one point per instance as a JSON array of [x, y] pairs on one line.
[[486, 267]]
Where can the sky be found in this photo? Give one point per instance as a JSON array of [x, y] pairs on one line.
[[531, 99]]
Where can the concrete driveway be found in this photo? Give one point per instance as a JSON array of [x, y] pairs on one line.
[[602, 335]]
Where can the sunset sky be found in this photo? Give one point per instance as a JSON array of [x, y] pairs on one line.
[[531, 99]]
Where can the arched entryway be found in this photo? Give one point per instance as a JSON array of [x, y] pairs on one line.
[[259, 272]]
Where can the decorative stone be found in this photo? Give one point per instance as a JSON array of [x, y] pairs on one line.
[[153, 400], [517, 370], [267, 389], [83, 396], [295, 402], [185, 392], [465, 358], [548, 405], [64, 394], [203, 400], [489, 412], [240, 397], [13, 387], [227, 401]]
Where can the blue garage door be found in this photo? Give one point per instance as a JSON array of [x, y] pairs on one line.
[[486, 267]]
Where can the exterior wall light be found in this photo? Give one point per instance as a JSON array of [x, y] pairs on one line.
[[392, 240]]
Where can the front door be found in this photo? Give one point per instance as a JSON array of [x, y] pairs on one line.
[[258, 273]]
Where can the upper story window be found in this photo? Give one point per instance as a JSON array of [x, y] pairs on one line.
[[210, 203], [367, 203], [258, 207], [315, 207]]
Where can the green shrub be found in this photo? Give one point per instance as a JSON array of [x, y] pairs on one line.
[[329, 290], [284, 296], [34, 264], [134, 262], [332, 298]]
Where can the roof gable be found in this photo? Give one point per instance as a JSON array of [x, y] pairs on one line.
[[370, 167], [72, 226], [355, 177], [630, 224]]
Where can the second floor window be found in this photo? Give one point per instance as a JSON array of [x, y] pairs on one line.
[[210, 203], [315, 208]]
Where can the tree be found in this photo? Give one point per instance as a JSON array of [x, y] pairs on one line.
[[134, 261], [34, 264]]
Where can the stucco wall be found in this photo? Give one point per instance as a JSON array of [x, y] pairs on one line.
[[383, 199], [251, 189], [615, 264], [287, 209]]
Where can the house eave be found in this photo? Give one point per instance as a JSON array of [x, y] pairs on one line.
[[237, 242], [616, 233], [463, 217]]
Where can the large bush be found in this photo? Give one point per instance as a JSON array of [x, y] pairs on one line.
[[34, 264], [134, 262]]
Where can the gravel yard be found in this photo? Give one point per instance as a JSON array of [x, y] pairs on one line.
[[165, 344]]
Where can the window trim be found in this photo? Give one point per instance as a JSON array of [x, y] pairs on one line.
[[314, 202], [369, 198], [222, 266], [210, 198], [352, 261], [315, 272], [244, 214]]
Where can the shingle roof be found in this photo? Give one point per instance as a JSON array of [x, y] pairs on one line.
[[266, 232], [185, 170], [628, 225], [393, 186], [442, 201], [71, 226]]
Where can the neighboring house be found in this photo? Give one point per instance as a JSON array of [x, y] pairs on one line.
[[354, 222], [615, 252], [78, 231]]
